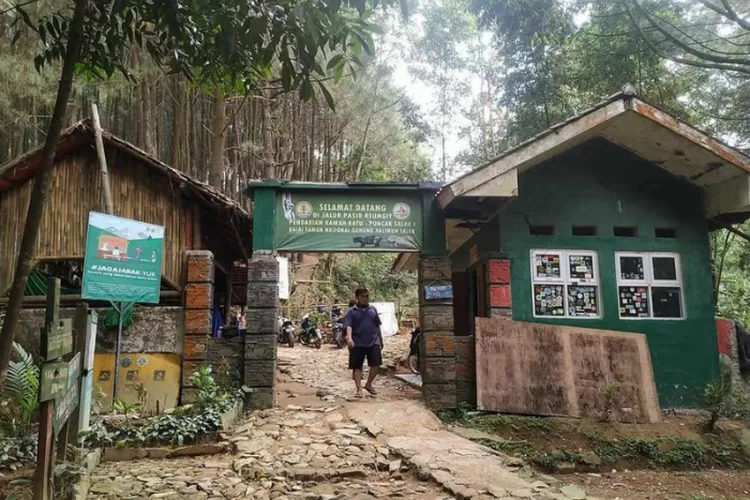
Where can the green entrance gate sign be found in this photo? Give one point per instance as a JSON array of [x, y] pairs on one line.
[[123, 260], [338, 222]]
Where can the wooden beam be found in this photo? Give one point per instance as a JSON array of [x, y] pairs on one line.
[[75, 298], [228, 299], [170, 283], [101, 156], [537, 149], [239, 238], [56, 258]]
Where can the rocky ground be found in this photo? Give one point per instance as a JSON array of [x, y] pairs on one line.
[[321, 443], [291, 453]]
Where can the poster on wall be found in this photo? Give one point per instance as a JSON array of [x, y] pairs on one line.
[[548, 300], [582, 301], [333, 222], [581, 267], [123, 260], [547, 266], [633, 301]]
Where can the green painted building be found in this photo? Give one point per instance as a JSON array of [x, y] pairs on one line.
[[604, 221]]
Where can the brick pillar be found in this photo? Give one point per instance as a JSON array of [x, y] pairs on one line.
[[498, 283], [199, 293], [438, 342], [262, 323]]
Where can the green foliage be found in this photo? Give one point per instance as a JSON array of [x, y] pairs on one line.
[[715, 397], [669, 452], [16, 452], [455, 414], [124, 408], [373, 271], [556, 67], [210, 393], [183, 425], [227, 44], [20, 399], [348, 272]]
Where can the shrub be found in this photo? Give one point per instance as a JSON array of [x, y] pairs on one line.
[[714, 398], [182, 425], [20, 400]]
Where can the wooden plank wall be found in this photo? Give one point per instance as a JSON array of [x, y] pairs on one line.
[[540, 369], [139, 192]]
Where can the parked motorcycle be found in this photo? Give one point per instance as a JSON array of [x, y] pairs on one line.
[[339, 335], [413, 359], [286, 332], [310, 334]]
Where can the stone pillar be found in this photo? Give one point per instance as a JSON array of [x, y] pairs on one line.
[[438, 342], [499, 292], [466, 371], [262, 324], [199, 293]]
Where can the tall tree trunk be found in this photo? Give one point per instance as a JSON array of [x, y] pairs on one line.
[[41, 189], [363, 148], [269, 170], [146, 123], [178, 124], [218, 141]]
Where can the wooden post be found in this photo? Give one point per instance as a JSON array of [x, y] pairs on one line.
[[80, 336], [228, 305], [108, 203], [45, 463]]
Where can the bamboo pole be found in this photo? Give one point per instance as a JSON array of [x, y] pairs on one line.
[[108, 203]]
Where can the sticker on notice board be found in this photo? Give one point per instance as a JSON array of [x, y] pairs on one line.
[[438, 292]]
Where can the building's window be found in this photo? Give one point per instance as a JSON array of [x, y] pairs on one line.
[[665, 232], [625, 231], [541, 230], [649, 285], [584, 230], [565, 283]]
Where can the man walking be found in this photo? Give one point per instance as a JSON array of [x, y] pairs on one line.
[[362, 325]]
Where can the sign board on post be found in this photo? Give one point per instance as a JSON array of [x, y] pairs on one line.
[[90, 345], [54, 381], [438, 292], [123, 260], [58, 339], [283, 277], [64, 406], [331, 222], [87, 379]]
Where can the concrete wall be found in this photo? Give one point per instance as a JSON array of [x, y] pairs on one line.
[[154, 329]]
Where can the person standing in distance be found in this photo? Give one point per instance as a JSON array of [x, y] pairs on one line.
[[362, 324]]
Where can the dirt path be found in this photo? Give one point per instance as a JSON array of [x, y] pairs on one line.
[[653, 485], [319, 443]]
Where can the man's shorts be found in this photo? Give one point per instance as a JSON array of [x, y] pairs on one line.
[[357, 357]]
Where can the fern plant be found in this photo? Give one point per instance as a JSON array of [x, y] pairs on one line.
[[21, 393]]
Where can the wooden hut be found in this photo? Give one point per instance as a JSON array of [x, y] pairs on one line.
[[195, 216]]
